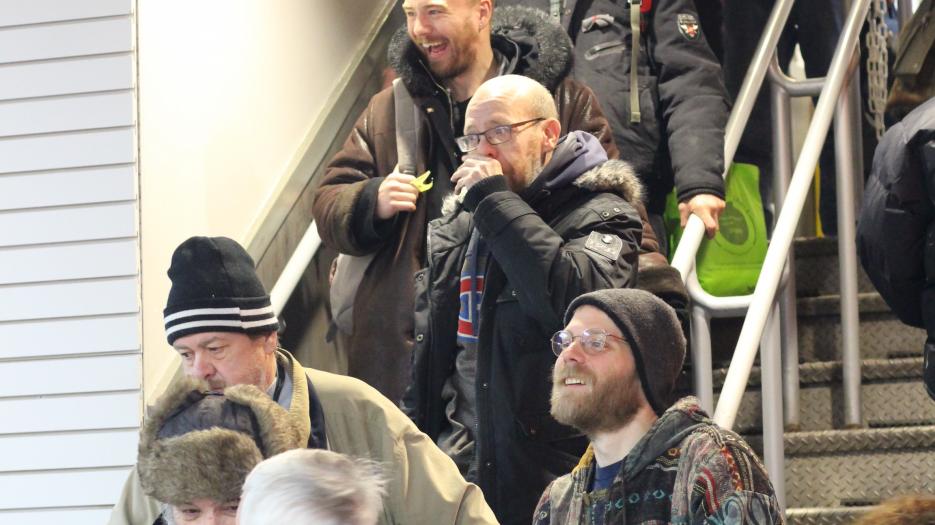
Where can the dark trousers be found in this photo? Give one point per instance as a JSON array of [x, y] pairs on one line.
[[815, 26]]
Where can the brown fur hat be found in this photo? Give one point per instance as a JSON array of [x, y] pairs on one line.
[[201, 445]]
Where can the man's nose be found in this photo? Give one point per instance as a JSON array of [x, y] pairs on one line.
[[573, 353], [419, 26], [484, 148], [202, 366]]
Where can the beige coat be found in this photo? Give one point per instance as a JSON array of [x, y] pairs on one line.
[[425, 485]]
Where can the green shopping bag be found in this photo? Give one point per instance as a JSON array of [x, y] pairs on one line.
[[730, 263]]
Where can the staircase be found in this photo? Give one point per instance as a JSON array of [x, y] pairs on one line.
[[834, 474]]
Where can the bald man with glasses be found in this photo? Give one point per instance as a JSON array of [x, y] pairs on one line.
[[535, 220]]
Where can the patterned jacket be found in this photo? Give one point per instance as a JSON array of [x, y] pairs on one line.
[[685, 470]]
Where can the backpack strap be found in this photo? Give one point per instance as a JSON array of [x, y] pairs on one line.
[[636, 7], [407, 129]]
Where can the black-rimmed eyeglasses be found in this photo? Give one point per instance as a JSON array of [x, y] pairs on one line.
[[495, 135], [592, 340]]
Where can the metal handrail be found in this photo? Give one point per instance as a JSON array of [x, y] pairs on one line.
[[767, 285], [295, 268]]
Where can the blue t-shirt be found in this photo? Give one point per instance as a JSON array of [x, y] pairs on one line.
[[604, 476], [601, 482]]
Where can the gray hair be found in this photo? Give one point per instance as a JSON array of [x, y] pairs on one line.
[[313, 486]]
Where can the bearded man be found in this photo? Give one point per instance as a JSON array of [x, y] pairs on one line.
[[536, 219], [650, 461]]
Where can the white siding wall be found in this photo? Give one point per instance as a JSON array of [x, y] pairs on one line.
[[70, 363]]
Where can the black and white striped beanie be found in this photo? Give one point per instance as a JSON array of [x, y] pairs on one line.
[[215, 288]]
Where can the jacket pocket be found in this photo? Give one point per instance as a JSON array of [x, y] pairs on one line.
[[612, 47]]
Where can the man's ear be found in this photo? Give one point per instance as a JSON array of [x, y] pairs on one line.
[[552, 130], [485, 12], [271, 342]]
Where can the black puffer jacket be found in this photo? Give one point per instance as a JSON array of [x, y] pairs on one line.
[[896, 233], [546, 248], [683, 101]]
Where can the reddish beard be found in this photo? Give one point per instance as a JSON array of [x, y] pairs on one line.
[[604, 404]]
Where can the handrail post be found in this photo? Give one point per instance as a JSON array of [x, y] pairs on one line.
[[771, 397], [778, 251], [782, 172], [702, 368], [847, 169]]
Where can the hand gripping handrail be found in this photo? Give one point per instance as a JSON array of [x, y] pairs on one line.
[[767, 285], [684, 258]]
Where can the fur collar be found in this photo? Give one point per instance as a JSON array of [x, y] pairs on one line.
[[531, 44], [614, 176]]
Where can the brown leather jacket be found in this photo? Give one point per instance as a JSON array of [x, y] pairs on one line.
[[527, 43]]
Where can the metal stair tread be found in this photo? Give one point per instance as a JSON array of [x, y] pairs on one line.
[[815, 246], [825, 515], [873, 440], [867, 302], [822, 372]]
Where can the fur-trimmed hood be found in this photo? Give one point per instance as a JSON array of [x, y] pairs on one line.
[[615, 176], [529, 42], [196, 444]]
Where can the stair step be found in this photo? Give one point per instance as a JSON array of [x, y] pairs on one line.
[[817, 269], [892, 395], [825, 516], [842, 468], [881, 334]]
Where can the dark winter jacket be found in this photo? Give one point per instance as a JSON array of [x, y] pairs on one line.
[[896, 232], [379, 349], [547, 246], [685, 470], [683, 102]]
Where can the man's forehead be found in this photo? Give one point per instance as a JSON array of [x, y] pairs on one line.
[[202, 339], [588, 316], [416, 4], [492, 110]]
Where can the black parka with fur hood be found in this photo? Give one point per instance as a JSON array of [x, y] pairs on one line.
[[569, 233]]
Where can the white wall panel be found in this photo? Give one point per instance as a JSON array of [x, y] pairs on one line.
[[78, 112], [69, 336], [15, 12], [61, 489], [32, 264], [70, 360], [81, 412], [70, 299], [106, 221], [47, 152], [92, 516], [68, 451], [63, 77], [70, 376], [74, 186], [87, 37]]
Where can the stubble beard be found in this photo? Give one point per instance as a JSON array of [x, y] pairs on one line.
[[609, 405], [463, 54]]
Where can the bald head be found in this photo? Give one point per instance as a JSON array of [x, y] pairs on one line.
[[522, 93], [524, 113]]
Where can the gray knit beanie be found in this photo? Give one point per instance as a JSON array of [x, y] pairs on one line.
[[653, 332]]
